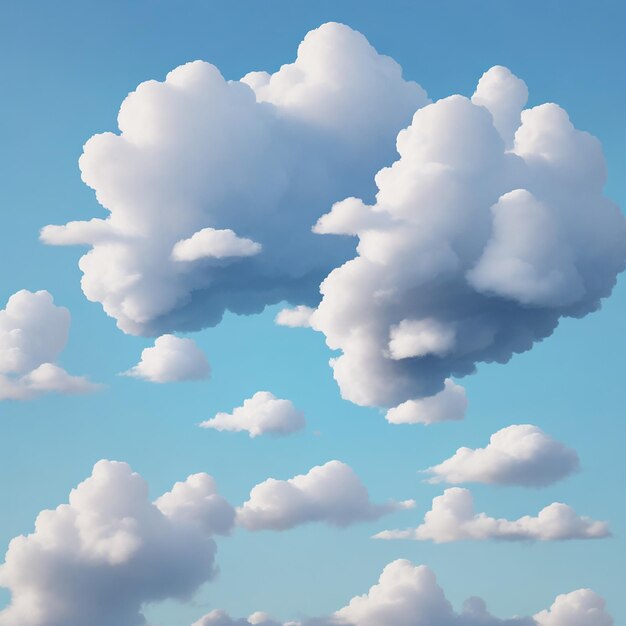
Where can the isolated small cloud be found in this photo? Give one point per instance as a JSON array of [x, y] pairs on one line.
[[210, 243], [172, 359], [521, 454], [297, 317], [261, 414], [409, 595], [448, 405], [330, 493], [106, 553], [33, 333], [452, 518]]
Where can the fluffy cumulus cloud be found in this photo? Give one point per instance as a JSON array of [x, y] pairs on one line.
[[296, 317], [409, 595], [171, 359], [521, 454], [330, 493], [452, 518], [448, 405], [33, 333], [212, 186], [99, 558], [261, 414], [489, 228], [579, 608]]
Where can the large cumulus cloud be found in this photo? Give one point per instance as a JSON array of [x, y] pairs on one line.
[[97, 559], [212, 186], [409, 595], [489, 228], [33, 333]]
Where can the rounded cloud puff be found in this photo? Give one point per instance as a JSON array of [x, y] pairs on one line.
[[521, 454], [171, 359], [33, 333], [261, 414], [330, 493]]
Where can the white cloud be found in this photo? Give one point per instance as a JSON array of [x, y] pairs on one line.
[[409, 595], [33, 333], [221, 618], [330, 493], [448, 405], [521, 454], [297, 317], [228, 177], [261, 414], [210, 243], [98, 559], [578, 608], [452, 518], [171, 359], [489, 228]]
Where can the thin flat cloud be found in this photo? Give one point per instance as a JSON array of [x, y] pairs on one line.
[[452, 518]]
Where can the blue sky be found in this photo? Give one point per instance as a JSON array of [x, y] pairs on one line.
[[66, 67]]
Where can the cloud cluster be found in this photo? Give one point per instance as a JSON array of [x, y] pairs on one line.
[[171, 359], [452, 518], [33, 333], [408, 595], [330, 493], [521, 454], [212, 185], [261, 414], [99, 558], [489, 228]]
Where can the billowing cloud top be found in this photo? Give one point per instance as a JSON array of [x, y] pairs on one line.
[[261, 414], [171, 359], [489, 228], [452, 518], [212, 186], [99, 558], [408, 595], [33, 333], [330, 493]]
